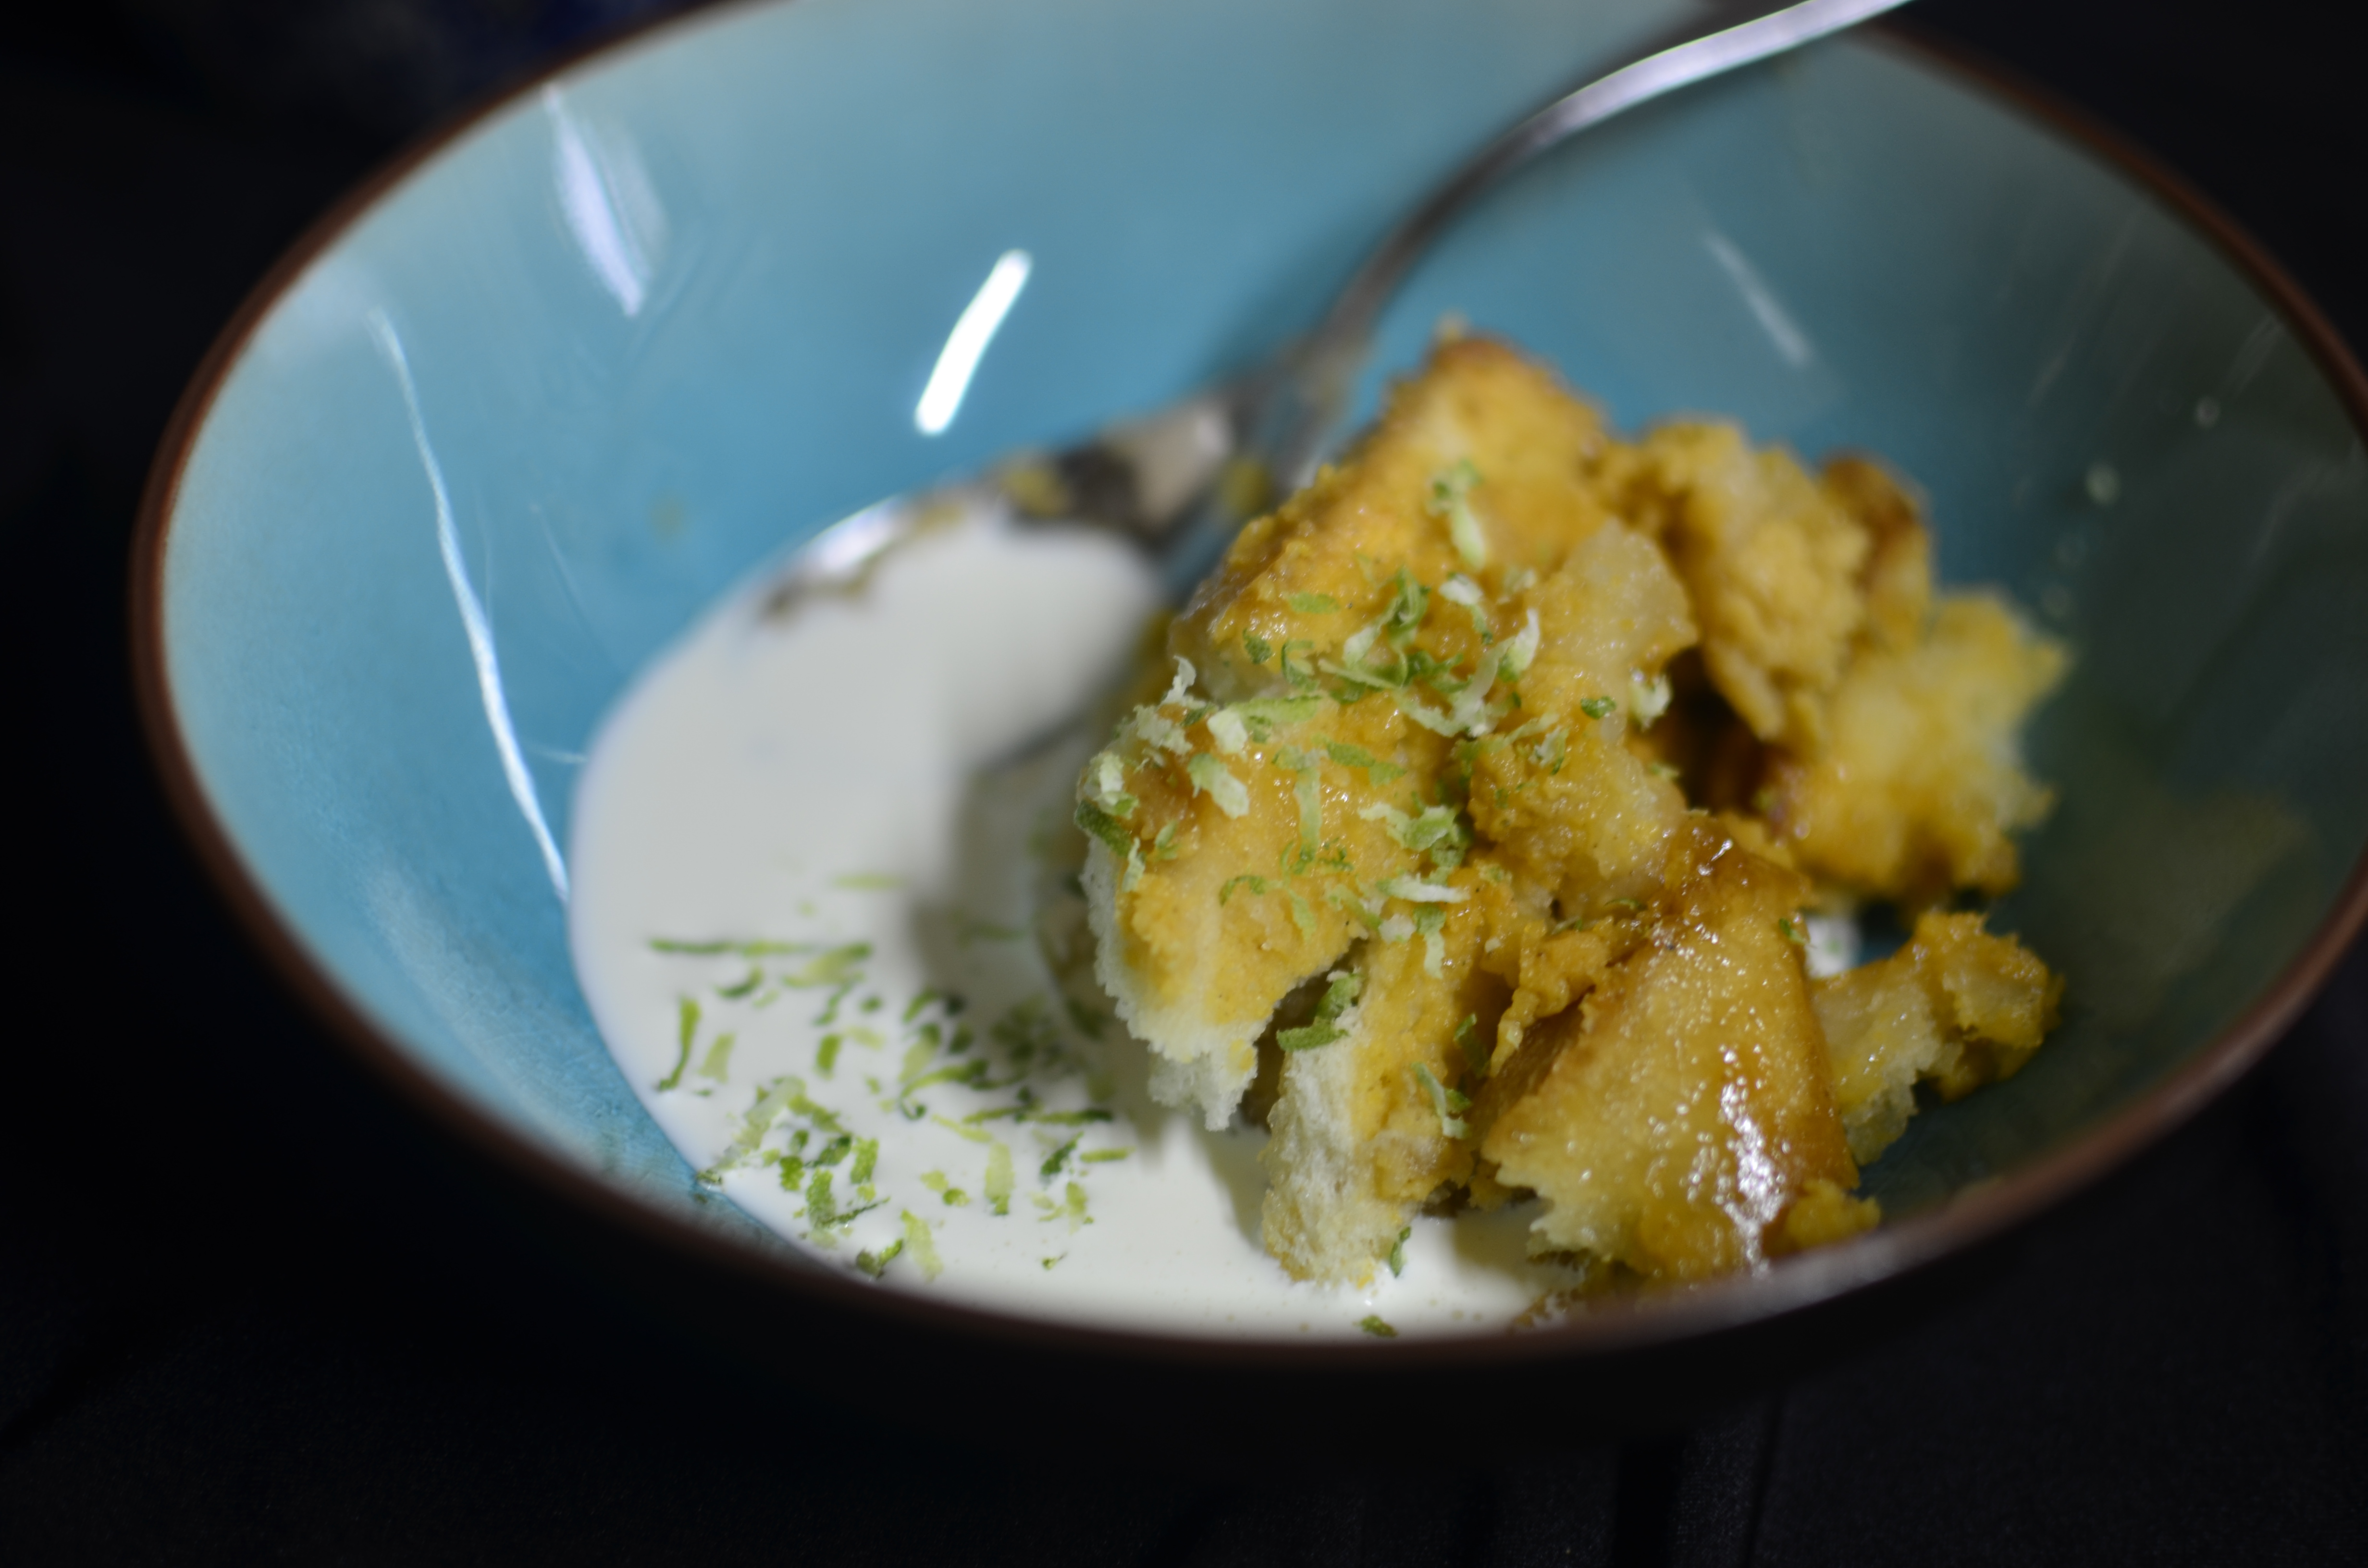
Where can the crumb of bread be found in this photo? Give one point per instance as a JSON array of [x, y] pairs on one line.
[[1955, 1007], [1920, 784], [1365, 1129], [1773, 563]]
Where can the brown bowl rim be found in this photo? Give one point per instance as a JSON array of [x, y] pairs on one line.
[[1975, 1216]]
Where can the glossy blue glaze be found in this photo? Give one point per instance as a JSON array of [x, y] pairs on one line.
[[644, 329]]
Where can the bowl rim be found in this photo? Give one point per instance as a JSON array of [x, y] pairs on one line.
[[1973, 1217]]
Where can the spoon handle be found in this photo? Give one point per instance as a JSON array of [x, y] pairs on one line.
[[1721, 40]]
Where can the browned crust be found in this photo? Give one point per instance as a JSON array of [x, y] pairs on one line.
[[1796, 1284]]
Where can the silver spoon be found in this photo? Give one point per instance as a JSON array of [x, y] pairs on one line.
[[1181, 482]]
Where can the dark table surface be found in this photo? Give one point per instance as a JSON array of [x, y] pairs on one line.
[[217, 1346]]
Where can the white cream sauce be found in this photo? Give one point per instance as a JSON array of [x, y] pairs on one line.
[[799, 839]]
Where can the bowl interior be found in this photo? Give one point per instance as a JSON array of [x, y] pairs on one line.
[[644, 328]]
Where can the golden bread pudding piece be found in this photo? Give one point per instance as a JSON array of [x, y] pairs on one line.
[[1396, 773], [1922, 780], [1686, 1108], [1956, 1007]]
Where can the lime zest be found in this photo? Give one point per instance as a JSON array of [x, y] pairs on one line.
[[922, 1245], [1261, 716], [1429, 922], [948, 1194], [1210, 778], [758, 949], [1648, 697], [1056, 1159], [997, 1185], [1450, 501], [685, 1031], [1377, 772], [1415, 891], [1309, 1038], [1474, 1049], [717, 1063], [1445, 1101], [1372, 1323], [1514, 661], [1106, 830], [838, 966]]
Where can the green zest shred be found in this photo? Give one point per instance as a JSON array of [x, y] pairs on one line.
[[1056, 1159], [1398, 1252], [1211, 778], [1450, 501], [1100, 826], [1447, 1102], [1309, 1038], [1428, 923], [924, 1248], [1415, 891], [1256, 884], [1307, 789], [1313, 604], [1474, 1049], [1340, 996], [1377, 772], [718, 1065], [758, 950], [840, 966], [1372, 1323], [1598, 707], [685, 1031], [1261, 716], [998, 1176], [1648, 699]]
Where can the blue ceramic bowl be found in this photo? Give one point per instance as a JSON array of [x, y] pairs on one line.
[[508, 420]]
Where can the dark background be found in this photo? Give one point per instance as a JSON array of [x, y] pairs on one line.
[[219, 1345]]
